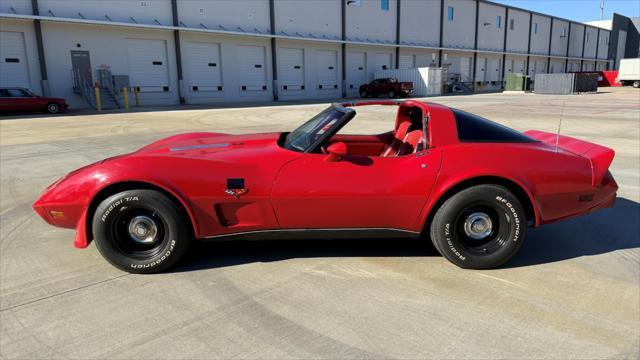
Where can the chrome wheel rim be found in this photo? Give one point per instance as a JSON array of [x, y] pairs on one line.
[[143, 230], [478, 226], [139, 232]]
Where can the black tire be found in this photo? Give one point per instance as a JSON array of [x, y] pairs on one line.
[[363, 94], [392, 94], [636, 84], [52, 108], [121, 220], [467, 246]]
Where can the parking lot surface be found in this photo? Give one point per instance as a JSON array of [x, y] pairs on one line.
[[573, 290]]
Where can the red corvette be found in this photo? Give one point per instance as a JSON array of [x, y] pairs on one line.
[[470, 185]]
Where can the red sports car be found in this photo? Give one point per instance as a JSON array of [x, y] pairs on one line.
[[17, 100], [470, 185]]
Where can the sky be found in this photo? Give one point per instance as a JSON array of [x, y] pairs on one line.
[[578, 10]]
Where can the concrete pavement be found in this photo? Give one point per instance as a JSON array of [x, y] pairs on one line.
[[573, 291]]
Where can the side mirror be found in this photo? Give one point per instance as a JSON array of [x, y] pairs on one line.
[[336, 152]]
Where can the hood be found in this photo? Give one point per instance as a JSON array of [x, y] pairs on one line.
[[210, 145]]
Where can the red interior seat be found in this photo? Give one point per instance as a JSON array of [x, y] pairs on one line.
[[408, 133], [398, 139]]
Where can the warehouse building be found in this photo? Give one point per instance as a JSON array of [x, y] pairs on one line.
[[206, 51]]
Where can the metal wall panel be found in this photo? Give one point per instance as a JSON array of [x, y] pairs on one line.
[[554, 84]]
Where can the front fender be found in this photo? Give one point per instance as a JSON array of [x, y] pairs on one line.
[[68, 202]]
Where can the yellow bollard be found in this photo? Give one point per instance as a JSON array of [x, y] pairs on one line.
[[98, 100], [136, 96], [125, 94]]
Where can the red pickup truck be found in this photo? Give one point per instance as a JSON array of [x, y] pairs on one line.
[[386, 86]]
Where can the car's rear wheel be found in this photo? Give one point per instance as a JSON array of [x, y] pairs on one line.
[[480, 227], [392, 94], [636, 84], [53, 108], [141, 231], [363, 93]]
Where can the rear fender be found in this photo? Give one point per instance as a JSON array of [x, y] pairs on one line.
[[448, 189]]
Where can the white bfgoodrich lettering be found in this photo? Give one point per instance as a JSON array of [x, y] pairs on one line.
[[447, 234], [116, 204], [156, 262], [513, 211]]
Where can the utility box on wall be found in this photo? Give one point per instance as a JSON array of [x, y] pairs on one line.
[[517, 82], [120, 81]]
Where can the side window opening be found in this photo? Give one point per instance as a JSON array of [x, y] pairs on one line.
[[473, 128]]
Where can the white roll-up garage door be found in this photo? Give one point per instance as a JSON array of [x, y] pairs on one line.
[[493, 70], [327, 61], [356, 70], [465, 69], [407, 61], [203, 66], [481, 69], [148, 68], [541, 67], [291, 69], [14, 71], [252, 66], [519, 66], [383, 61]]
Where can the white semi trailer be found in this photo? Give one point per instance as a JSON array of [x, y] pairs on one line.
[[629, 73]]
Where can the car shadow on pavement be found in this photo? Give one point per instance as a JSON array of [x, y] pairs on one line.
[[208, 255], [601, 232], [604, 231]]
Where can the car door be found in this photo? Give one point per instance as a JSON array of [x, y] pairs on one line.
[[356, 192], [19, 100], [375, 87], [4, 100]]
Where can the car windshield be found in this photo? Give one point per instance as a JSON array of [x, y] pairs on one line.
[[306, 136]]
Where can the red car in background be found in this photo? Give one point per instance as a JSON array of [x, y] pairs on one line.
[[20, 100], [467, 184]]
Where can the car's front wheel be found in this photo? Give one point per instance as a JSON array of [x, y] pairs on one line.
[[480, 227], [636, 84], [53, 108], [141, 231], [392, 94]]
